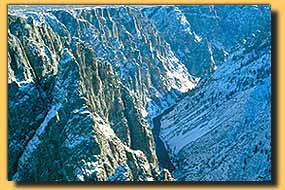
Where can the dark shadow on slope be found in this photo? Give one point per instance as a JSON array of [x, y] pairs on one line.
[[161, 152], [274, 145]]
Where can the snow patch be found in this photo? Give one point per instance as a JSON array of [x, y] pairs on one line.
[[52, 112]]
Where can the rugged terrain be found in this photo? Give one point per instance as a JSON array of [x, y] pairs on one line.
[[223, 130], [87, 87]]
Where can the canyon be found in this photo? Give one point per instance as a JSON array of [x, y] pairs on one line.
[[139, 93]]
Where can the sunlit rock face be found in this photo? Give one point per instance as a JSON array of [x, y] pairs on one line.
[[85, 83]]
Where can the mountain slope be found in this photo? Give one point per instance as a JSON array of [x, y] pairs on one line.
[[223, 130]]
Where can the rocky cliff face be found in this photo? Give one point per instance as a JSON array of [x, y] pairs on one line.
[[202, 36], [82, 85], [85, 83], [190, 48]]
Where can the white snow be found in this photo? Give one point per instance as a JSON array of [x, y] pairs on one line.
[[197, 38], [180, 76], [66, 57], [25, 84], [51, 114], [144, 112]]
